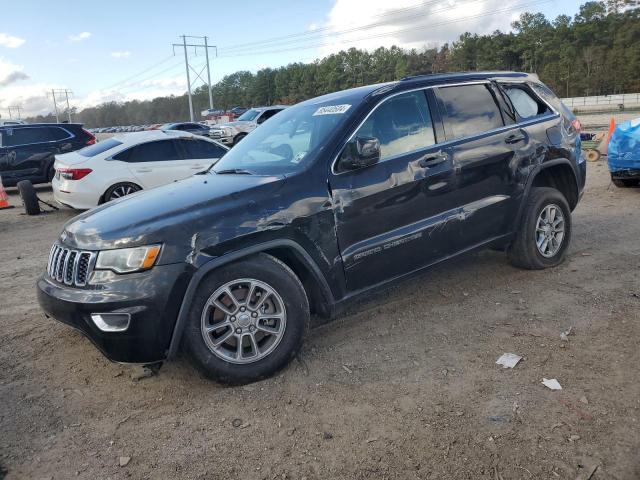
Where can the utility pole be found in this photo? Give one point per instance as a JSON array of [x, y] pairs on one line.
[[65, 92], [55, 105], [13, 108], [188, 67]]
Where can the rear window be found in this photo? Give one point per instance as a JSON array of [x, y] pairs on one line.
[[524, 102], [469, 110], [58, 133], [100, 147]]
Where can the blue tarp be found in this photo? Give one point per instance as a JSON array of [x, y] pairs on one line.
[[624, 148]]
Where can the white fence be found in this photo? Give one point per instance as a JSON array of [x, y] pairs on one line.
[[603, 102]]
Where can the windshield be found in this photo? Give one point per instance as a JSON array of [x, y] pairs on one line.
[[249, 115], [284, 143]]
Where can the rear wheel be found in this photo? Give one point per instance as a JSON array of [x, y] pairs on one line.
[[247, 320], [120, 190], [545, 231]]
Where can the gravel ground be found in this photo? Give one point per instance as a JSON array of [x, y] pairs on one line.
[[403, 387]]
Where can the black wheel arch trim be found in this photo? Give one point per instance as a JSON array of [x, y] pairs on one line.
[[217, 262], [531, 177]]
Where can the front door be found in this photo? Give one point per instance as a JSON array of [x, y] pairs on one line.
[[394, 217]]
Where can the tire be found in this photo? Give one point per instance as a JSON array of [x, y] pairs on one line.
[[120, 190], [226, 363], [50, 173], [29, 197], [238, 138], [625, 182], [524, 251]]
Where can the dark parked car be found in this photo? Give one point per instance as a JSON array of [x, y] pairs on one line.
[[237, 111], [27, 151], [195, 128], [328, 200]]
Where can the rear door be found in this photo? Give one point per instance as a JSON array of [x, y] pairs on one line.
[[27, 152], [155, 163], [199, 154], [394, 217], [482, 142]]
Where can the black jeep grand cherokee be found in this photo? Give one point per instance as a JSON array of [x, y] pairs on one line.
[[329, 199]]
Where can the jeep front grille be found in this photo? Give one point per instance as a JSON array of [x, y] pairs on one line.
[[68, 266]]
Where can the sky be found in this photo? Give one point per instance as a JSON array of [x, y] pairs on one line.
[[122, 50]]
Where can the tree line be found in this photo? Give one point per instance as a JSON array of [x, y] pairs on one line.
[[597, 52]]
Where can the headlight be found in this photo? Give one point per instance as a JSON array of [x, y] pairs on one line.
[[126, 260]]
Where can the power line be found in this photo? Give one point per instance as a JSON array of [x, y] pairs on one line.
[[139, 73], [386, 34], [323, 29], [144, 79]]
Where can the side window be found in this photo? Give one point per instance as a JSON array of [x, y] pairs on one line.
[[402, 124], [26, 136], [159, 151], [469, 110], [201, 149], [267, 115], [58, 133], [524, 102]]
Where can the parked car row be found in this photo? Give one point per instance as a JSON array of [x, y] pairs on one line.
[[330, 200], [125, 164]]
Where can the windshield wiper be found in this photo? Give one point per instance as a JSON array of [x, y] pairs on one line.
[[236, 171]]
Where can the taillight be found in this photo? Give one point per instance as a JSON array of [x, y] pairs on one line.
[[577, 125], [91, 140], [74, 173]]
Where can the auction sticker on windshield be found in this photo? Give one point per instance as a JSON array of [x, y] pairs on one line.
[[332, 110]]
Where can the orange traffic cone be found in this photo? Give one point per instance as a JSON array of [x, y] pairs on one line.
[[4, 198], [604, 146]]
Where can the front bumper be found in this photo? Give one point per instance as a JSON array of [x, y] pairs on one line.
[[220, 137], [152, 299]]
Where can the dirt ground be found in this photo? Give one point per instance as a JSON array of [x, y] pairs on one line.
[[405, 387]]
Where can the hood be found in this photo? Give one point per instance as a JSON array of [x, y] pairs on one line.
[[172, 214]]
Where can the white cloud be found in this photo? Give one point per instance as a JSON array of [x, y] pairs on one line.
[[80, 36], [145, 90], [11, 73], [32, 98], [10, 41], [411, 24], [121, 54]]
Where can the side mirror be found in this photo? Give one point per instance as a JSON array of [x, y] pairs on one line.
[[360, 152]]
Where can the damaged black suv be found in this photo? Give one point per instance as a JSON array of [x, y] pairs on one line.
[[326, 201]]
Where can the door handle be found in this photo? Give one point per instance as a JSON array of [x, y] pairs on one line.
[[197, 167], [430, 161], [143, 170], [515, 138]]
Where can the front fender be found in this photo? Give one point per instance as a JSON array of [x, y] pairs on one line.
[[218, 262]]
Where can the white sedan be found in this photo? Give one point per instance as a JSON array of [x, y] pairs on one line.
[[130, 162]]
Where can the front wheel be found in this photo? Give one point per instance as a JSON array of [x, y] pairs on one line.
[[545, 231], [625, 182], [238, 138], [247, 320]]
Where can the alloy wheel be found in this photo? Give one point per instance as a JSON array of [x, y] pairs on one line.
[[549, 230], [122, 191], [243, 321]]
